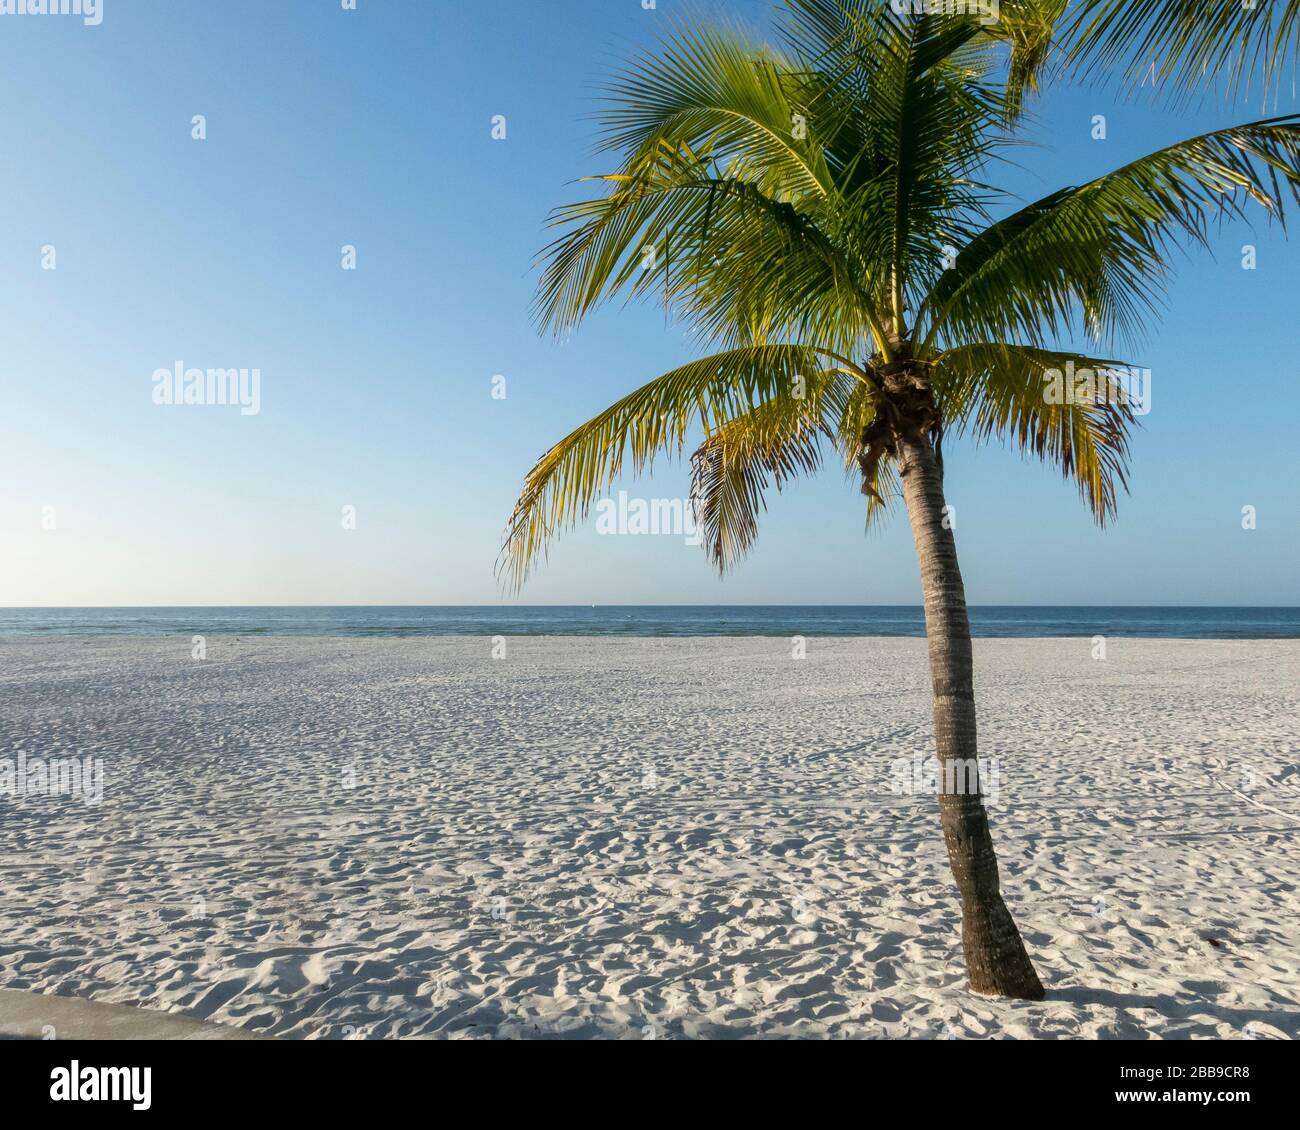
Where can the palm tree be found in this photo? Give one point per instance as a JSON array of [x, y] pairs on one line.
[[801, 207]]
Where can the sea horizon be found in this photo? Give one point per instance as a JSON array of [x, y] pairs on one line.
[[1015, 621]]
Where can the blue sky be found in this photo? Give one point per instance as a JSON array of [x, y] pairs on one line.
[[372, 128]]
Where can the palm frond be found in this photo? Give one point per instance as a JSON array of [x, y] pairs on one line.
[[732, 470], [654, 419], [932, 129], [1028, 28], [1101, 250], [712, 244], [999, 390], [1184, 46], [717, 91]]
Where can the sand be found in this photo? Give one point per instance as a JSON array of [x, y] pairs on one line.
[[638, 838], [41, 1016]]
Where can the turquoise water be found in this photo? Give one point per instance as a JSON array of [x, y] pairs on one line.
[[651, 620]]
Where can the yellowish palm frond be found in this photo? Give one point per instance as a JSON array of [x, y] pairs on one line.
[[653, 420], [1069, 410], [733, 468]]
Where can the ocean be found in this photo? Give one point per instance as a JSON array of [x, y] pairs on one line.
[[651, 620]]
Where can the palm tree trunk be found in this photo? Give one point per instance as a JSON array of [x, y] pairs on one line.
[[996, 961]]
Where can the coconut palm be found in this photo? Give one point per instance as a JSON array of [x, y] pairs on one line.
[[820, 212]]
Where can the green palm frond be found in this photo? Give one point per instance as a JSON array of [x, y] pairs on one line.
[[666, 226], [1028, 28], [1101, 250], [717, 91], [826, 29], [1000, 391], [655, 419], [1187, 45], [752, 182], [930, 131]]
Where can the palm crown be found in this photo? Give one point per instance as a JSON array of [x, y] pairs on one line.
[[801, 207]]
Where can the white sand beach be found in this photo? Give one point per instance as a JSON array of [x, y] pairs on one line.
[[366, 838]]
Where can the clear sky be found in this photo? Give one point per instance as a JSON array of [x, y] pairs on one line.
[[372, 128]]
